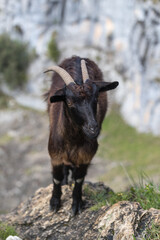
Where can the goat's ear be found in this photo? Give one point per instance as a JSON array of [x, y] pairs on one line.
[[58, 96], [106, 86]]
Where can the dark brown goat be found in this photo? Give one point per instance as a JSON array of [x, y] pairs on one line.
[[77, 104]]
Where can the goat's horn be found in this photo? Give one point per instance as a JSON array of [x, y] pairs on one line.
[[85, 75], [63, 73]]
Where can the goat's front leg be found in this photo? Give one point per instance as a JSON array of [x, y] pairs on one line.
[[55, 201], [78, 175]]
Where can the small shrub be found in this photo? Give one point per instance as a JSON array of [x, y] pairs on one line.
[[14, 61], [4, 100], [53, 50], [6, 230], [157, 80]]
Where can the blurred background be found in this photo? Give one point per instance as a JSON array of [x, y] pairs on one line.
[[123, 38]]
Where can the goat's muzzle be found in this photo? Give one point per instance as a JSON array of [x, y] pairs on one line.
[[91, 130]]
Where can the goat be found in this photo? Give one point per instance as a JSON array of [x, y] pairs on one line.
[[77, 104]]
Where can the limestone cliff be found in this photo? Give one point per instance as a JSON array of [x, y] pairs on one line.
[[129, 31]]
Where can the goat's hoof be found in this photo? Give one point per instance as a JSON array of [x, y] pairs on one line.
[[55, 204], [77, 207]]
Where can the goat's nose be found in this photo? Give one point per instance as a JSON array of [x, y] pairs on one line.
[[93, 127]]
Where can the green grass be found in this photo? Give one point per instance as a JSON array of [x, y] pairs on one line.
[[147, 195], [4, 100], [126, 147], [6, 230], [99, 198], [25, 139], [152, 232], [5, 139]]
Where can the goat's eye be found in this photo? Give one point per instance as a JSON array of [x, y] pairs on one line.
[[69, 103]]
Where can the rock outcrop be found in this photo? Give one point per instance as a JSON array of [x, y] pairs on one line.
[[34, 220]]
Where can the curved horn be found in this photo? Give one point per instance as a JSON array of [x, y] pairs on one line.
[[85, 75], [63, 73]]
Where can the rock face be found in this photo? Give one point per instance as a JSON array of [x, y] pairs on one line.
[[129, 30], [125, 219], [35, 21], [34, 220]]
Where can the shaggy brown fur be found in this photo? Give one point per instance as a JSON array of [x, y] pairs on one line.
[[66, 144]]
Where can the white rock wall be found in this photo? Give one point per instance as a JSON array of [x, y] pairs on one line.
[[127, 28], [90, 20]]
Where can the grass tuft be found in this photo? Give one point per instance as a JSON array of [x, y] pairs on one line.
[[146, 193], [152, 232], [6, 230], [99, 197], [148, 196]]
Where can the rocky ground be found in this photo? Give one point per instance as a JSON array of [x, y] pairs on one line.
[[24, 161], [122, 221]]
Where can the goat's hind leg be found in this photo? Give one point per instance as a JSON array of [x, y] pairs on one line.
[[78, 175], [65, 174], [55, 201]]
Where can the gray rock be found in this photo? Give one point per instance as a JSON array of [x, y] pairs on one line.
[[34, 220], [125, 219]]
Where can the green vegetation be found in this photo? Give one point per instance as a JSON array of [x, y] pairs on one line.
[[53, 50], [157, 80], [4, 100], [99, 198], [6, 230], [14, 61], [154, 1], [135, 152], [98, 58], [147, 195], [25, 139], [4, 139], [152, 233]]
